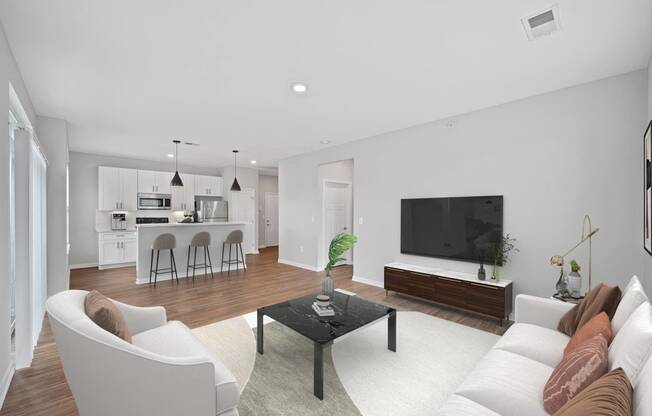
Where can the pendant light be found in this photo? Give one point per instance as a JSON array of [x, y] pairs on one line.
[[236, 185], [176, 179]]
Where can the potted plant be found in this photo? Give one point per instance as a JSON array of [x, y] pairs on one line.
[[574, 279], [339, 245], [502, 253]]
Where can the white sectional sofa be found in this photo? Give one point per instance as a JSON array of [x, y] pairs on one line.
[[164, 371], [510, 379]]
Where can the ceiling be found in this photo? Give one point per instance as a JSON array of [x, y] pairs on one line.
[[130, 76]]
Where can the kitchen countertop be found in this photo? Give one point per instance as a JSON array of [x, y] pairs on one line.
[[190, 224]]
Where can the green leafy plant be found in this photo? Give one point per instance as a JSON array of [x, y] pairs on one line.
[[574, 266], [340, 244], [503, 250]]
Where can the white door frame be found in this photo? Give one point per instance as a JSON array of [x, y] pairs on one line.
[[255, 216], [322, 244], [268, 194]]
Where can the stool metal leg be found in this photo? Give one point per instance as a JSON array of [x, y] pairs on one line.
[[243, 258], [222, 263], [237, 262], [151, 263], [188, 264], [173, 266], [158, 253], [194, 262], [210, 263], [205, 263], [229, 272]]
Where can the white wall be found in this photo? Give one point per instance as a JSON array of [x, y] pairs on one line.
[[53, 135], [9, 73], [83, 197], [266, 183], [554, 157], [247, 178]]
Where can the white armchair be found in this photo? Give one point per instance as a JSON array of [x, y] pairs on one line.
[[164, 371]]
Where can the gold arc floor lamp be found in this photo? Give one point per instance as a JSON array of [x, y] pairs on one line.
[[587, 234]]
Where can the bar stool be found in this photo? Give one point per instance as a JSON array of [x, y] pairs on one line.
[[234, 238], [163, 242], [201, 239]]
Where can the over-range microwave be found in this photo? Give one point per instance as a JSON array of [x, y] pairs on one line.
[[154, 201]]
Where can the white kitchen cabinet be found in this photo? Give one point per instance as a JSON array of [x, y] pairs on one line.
[[117, 248], [208, 185], [117, 189], [183, 197], [152, 182]]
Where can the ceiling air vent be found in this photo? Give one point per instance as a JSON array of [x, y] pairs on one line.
[[542, 23]]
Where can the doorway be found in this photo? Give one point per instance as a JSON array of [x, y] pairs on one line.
[[337, 214], [271, 219], [242, 207]]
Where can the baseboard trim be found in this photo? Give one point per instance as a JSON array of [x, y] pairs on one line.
[[370, 282], [299, 265], [6, 382], [82, 265], [116, 266]]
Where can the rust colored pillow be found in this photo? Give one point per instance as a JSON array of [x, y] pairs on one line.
[[600, 299], [577, 370], [610, 395], [598, 325], [106, 315]]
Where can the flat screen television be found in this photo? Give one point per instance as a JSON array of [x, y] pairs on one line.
[[464, 228]]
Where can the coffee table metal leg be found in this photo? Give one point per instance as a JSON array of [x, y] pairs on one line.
[[319, 371], [259, 332], [391, 331]]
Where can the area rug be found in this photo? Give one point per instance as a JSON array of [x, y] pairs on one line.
[[361, 377]]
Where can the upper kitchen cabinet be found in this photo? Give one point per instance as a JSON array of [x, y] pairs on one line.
[[117, 189], [151, 182], [208, 185], [183, 197]]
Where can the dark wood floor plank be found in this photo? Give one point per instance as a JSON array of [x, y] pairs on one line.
[[41, 390]]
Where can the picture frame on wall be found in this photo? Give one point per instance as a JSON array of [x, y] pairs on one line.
[[647, 188]]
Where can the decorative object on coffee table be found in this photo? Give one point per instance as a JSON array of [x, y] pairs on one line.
[[339, 245], [502, 252], [574, 280], [647, 189], [587, 233]]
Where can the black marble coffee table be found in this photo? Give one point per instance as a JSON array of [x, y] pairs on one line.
[[351, 313]]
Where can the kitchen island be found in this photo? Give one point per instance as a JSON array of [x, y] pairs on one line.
[[184, 232]]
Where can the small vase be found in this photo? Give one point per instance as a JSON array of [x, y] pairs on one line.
[[574, 284], [327, 285], [561, 285], [495, 272], [482, 275]]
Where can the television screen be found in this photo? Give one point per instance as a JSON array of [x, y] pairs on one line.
[[466, 228]]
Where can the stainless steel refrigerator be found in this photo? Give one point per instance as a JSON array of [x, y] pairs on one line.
[[212, 210]]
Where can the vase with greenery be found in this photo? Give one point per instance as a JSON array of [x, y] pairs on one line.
[[502, 254], [339, 245], [575, 280]]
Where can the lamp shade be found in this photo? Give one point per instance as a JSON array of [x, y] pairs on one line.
[[176, 180], [236, 185]]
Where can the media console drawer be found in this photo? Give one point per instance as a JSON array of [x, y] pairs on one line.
[[473, 295]]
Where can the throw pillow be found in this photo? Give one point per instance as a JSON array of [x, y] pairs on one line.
[[106, 315], [577, 370], [600, 299], [633, 297], [632, 347], [598, 325], [610, 395]]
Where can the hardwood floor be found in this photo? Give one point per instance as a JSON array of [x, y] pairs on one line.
[[42, 388]]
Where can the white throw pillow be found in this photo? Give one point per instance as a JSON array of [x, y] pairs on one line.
[[642, 401], [632, 281], [632, 347], [633, 297]]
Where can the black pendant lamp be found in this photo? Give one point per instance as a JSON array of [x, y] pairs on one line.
[[236, 185], [176, 179]]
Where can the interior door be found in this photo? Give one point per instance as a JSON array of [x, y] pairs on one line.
[[337, 212], [242, 207], [271, 219]]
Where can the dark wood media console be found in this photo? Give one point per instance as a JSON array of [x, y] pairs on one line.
[[474, 295]]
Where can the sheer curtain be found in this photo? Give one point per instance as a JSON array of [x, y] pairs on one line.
[[37, 229]]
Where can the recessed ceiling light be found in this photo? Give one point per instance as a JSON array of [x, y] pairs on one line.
[[170, 155], [325, 142], [299, 88], [253, 162]]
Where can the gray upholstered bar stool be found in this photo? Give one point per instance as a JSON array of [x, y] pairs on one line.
[[234, 238], [163, 242], [203, 240]]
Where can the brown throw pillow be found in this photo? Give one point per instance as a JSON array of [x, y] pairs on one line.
[[610, 395], [598, 325], [600, 299], [576, 371], [106, 315]]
